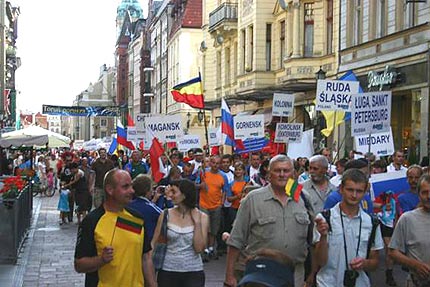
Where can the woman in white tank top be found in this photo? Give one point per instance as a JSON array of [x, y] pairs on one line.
[[187, 229]]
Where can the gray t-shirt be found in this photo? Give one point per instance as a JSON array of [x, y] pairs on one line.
[[412, 235]]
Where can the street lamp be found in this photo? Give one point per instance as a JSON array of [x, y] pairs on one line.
[[320, 75]]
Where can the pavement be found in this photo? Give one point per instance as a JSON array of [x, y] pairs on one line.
[[46, 257]]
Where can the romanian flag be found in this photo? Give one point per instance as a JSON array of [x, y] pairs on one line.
[[190, 93], [293, 189], [128, 225]]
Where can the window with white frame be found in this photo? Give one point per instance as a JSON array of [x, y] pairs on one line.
[[281, 43], [357, 22], [268, 47], [381, 18]]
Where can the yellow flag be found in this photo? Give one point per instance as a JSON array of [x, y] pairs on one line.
[[329, 118]]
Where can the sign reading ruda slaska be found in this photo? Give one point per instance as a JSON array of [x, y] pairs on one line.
[[334, 95]]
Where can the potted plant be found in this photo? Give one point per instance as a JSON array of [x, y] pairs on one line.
[[12, 186]]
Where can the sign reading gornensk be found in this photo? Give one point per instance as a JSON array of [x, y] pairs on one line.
[[334, 95], [247, 127], [370, 113]]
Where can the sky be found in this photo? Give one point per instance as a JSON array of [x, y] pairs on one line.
[[62, 45]]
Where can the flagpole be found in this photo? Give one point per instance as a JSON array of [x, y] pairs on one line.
[[204, 117]]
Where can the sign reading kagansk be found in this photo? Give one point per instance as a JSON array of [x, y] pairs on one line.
[[370, 113], [188, 142], [381, 144], [288, 132], [283, 105], [335, 95], [247, 127], [166, 128]]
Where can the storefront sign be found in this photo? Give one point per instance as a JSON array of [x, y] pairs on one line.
[[370, 113], [375, 79], [291, 133], [188, 142], [381, 144], [247, 127], [166, 128], [335, 95], [283, 105], [214, 136]]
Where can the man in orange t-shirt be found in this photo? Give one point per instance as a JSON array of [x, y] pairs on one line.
[[214, 186]]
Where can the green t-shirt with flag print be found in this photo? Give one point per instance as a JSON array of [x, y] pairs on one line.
[[125, 232]]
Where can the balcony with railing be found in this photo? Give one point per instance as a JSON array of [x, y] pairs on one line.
[[225, 14]]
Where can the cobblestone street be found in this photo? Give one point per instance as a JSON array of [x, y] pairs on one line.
[[47, 254]]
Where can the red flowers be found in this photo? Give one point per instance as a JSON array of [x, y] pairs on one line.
[[12, 186]]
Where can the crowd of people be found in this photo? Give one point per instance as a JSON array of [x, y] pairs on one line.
[[133, 230]]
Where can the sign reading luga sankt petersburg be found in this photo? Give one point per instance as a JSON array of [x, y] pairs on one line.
[[370, 113], [286, 132], [166, 128], [246, 127], [335, 95], [283, 105]]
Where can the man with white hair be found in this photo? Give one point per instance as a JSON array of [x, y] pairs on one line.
[[318, 186]]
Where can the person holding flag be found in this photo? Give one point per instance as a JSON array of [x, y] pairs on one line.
[[277, 216], [112, 246]]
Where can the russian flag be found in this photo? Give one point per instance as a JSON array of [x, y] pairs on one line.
[[395, 181], [122, 136], [227, 127]]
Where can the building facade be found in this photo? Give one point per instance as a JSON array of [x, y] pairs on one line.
[[386, 44]]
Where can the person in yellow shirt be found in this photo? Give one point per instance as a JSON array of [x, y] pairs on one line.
[[112, 247]]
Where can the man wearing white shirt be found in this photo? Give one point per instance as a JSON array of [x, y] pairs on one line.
[[398, 160], [341, 245], [254, 167]]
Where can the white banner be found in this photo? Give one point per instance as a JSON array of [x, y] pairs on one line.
[[166, 128], [131, 134], [188, 142], [381, 144], [370, 113], [214, 135], [286, 132], [248, 127], [139, 121], [283, 105], [303, 149], [335, 95]]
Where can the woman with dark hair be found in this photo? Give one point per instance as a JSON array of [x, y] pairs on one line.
[[187, 229]]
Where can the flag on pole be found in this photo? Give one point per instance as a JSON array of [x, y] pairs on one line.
[[155, 152], [113, 146], [122, 136], [293, 189], [227, 127], [190, 93]]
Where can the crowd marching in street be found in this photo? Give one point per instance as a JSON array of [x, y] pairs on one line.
[[279, 221]]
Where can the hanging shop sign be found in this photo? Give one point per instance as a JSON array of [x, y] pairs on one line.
[[387, 77]]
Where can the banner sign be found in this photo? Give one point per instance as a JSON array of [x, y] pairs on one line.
[[251, 145], [166, 128], [80, 111], [248, 127], [304, 148], [286, 132], [283, 105], [335, 95], [371, 113], [131, 134], [214, 136], [139, 121], [381, 144], [188, 142]]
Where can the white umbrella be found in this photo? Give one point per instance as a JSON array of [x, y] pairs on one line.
[[34, 136]]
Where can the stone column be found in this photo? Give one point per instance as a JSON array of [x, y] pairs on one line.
[[296, 29]]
